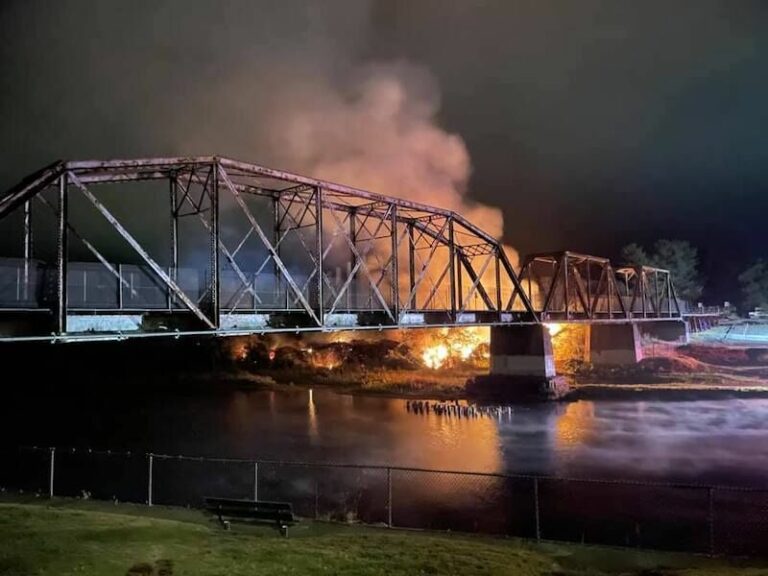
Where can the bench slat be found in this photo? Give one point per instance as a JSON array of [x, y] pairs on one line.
[[278, 512]]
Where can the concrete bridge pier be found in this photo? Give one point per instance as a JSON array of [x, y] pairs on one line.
[[615, 344], [522, 365], [522, 351]]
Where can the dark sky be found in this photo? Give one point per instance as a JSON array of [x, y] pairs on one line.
[[589, 123]]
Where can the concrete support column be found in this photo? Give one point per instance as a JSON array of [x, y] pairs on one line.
[[666, 330], [522, 351], [615, 344]]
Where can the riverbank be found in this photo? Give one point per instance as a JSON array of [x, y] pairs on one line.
[[417, 384], [673, 372], [372, 367], [94, 538]]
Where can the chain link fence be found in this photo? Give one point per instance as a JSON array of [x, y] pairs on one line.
[[681, 517]]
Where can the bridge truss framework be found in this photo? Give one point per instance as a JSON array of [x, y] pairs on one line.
[[286, 252]]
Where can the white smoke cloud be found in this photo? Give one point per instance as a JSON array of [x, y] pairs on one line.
[[380, 132]]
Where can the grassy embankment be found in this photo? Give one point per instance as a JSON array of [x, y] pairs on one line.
[[95, 538]]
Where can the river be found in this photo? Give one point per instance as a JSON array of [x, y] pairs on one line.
[[708, 441]]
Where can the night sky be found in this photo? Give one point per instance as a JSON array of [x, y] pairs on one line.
[[590, 124]]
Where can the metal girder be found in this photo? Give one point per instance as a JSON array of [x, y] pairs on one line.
[[361, 265], [650, 294], [30, 187], [62, 255], [249, 215], [90, 247], [577, 291], [230, 256], [178, 292]]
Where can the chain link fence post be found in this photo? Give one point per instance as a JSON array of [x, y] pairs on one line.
[[51, 466], [389, 497], [537, 518], [255, 481], [317, 498], [149, 481]]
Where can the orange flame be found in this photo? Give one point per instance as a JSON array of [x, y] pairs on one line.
[[453, 346], [554, 329]]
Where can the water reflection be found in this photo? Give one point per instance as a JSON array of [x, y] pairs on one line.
[[312, 414], [713, 441]]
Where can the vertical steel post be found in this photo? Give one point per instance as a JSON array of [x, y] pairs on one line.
[[389, 497], [591, 310], [319, 248], [669, 295], [452, 271], [174, 275], [149, 480], [565, 287], [530, 273], [537, 518], [608, 273], [348, 291], [27, 246], [395, 267], [275, 243], [214, 237], [353, 239], [61, 258], [498, 282], [51, 467], [255, 481], [711, 520], [119, 286], [411, 266], [459, 282]]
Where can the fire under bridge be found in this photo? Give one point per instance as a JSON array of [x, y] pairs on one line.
[[108, 250]]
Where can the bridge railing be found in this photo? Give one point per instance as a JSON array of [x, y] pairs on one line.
[[683, 517], [93, 287]]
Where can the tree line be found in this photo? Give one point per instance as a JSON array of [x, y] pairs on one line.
[[682, 260]]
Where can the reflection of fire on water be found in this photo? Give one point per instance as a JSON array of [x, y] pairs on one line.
[[447, 347]]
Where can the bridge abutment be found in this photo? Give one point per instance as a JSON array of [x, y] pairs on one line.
[[667, 331], [615, 344]]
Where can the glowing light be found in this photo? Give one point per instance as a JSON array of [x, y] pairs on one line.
[[449, 346], [554, 329], [435, 356]]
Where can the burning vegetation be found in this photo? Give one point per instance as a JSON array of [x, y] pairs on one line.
[[429, 350], [433, 350], [448, 347]]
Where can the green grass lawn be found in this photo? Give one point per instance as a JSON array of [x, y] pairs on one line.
[[95, 538]]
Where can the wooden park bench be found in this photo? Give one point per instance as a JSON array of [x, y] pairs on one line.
[[280, 514]]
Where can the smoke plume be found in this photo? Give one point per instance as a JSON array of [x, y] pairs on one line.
[[379, 131]]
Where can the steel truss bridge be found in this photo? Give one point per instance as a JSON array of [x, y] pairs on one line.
[[209, 245]]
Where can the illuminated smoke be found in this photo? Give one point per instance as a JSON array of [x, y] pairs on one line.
[[380, 132]]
